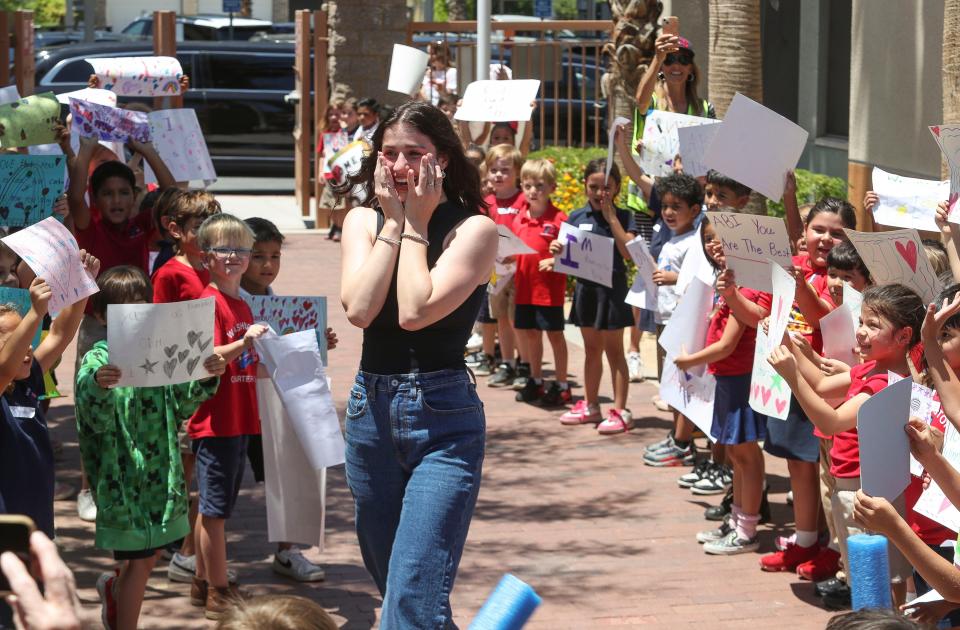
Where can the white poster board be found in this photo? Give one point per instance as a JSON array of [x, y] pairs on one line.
[[687, 328], [407, 67], [784, 290], [619, 120], [769, 393], [907, 202], [690, 394], [661, 143], [756, 146], [933, 503], [643, 293], [948, 139], [750, 242], [884, 447], [510, 244], [839, 335], [585, 255], [897, 256], [498, 101], [160, 344], [694, 142], [138, 76], [179, 141]]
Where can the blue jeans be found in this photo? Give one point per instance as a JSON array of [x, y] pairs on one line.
[[414, 455]]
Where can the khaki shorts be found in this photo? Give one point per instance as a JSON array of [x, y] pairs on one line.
[[842, 507], [503, 304], [328, 199]]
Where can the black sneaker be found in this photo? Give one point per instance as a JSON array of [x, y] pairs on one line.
[[555, 396], [531, 392], [764, 507], [699, 470], [522, 375], [485, 367], [830, 586], [720, 512], [503, 376], [838, 599]]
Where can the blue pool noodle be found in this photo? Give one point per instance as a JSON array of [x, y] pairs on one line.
[[509, 606], [869, 571]]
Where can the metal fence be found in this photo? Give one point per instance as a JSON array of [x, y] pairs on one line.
[[565, 55]]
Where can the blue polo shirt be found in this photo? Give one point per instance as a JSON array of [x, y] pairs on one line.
[[590, 220], [26, 456]]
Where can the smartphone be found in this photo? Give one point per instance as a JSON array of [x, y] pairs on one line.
[[15, 530], [64, 112], [670, 25]]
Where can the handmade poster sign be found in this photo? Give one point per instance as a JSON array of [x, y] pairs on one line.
[[619, 120], [585, 255], [498, 101], [948, 139], [160, 344], [661, 143], [750, 242], [933, 503], [294, 365], [884, 447], [407, 67], [853, 299], [690, 394], [179, 141], [346, 162], [296, 493], [784, 289], [510, 244], [9, 94], [500, 277], [138, 76], [91, 95], [769, 393], [29, 186], [907, 202], [695, 265], [687, 329], [643, 293], [29, 121], [20, 299], [50, 250], [109, 123], [288, 314], [897, 256], [923, 406], [839, 335], [694, 142], [742, 148]]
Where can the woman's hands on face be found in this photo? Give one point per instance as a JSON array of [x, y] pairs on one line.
[[386, 191], [423, 198]]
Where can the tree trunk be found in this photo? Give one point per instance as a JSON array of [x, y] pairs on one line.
[[951, 69], [456, 9], [735, 56]]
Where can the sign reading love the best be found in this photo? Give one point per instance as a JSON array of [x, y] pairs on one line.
[[897, 257]]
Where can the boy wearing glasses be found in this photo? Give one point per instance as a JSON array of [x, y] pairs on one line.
[[220, 427]]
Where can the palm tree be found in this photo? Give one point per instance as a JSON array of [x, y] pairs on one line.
[[951, 68]]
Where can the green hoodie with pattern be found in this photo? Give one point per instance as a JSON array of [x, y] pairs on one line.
[[128, 441]]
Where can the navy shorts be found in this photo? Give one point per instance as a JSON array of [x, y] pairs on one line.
[[533, 317], [484, 315], [219, 473], [140, 554]]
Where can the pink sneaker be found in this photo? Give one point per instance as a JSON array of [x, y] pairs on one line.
[[618, 421], [580, 413]]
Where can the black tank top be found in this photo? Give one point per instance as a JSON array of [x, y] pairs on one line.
[[388, 349]]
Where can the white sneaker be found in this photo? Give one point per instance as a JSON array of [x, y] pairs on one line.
[[475, 342], [635, 367], [290, 562], [183, 568], [86, 507]]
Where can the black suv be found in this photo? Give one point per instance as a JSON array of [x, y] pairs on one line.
[[236, 88]]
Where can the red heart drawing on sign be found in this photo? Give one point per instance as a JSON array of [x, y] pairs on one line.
[[780, 404], [755, 393], [908, 251], [936, 131], [765, 394]]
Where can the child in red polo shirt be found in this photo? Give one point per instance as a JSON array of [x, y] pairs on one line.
[[539, 290]]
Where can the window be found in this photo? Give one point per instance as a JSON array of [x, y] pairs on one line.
[[837, 119], [251, 71], [76, 71], [192, 32], [139, 28]]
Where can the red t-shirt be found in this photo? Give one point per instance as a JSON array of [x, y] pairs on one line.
[[504, 211], [114, 245], [929, 531], [540, 288], [233, 409], [176, 281], [740, 361], [817, 278], [845, 453]]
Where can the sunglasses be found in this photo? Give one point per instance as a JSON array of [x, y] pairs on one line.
[[683, 58]]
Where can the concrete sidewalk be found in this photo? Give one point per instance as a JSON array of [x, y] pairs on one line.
[[603, 539]]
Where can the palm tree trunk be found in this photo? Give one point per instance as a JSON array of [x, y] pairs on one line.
[[456, 9], [951, 69]]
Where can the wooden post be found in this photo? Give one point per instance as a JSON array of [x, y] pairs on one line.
[[23, 62], [165, 45], [858, 183], [321, 91], [4, 48], [301, 129]]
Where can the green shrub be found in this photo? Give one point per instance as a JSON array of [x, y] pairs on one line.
[[811, 188]]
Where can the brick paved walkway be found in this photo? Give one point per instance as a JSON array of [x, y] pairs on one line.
[[605, 540]]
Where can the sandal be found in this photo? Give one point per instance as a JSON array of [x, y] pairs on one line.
[[616, 422]]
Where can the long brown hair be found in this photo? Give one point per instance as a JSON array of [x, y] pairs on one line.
[[694, 102]]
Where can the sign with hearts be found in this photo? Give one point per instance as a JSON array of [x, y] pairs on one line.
[[160, 344], [769, 393], [138, 76], [897, 256], [287, 314]]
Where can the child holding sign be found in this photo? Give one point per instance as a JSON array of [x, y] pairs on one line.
[[128, 439], [891, 316], [540, 291], [600, 312]]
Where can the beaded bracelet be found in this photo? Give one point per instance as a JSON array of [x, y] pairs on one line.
[[392, 241], [415, 238]]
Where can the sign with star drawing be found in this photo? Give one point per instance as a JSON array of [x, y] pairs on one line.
[[160, 344], [769, 393]]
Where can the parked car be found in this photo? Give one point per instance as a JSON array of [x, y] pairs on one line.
[[201, 28], [236, 88]]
